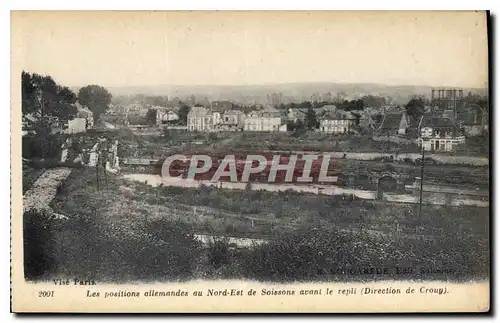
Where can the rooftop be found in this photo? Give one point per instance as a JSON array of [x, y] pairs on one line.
[[198, 111], [467, 118], [391, 121], [338, 115], [436, 122], [83, 111]]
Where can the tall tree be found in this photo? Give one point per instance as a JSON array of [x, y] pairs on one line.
[[352, 105], [49, 103], [311, 119], [42, 96], [65, 107], [151, 116], [183, 113], [415, 108], [28, 94], [373, 101], [96, 98]]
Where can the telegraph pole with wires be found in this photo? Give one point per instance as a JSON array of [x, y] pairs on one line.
[[97, 170], [105, 160], [422, 165], [421, 180]]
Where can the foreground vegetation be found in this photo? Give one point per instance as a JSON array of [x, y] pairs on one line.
[[160, 250], [129, 232]]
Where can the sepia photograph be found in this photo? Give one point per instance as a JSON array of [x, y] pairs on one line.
[[280, 153]]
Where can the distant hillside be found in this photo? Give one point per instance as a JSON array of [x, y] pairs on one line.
[[299, 91]]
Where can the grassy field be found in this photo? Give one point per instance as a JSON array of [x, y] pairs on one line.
[[184, 141], [255, 141], [129, 231], [315, 142], [244, 141]]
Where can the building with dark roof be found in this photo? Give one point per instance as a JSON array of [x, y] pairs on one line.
[[329, 108], [473, 119], [296, 114], [394, 124], [436, 133], [337, 122], [221, 106]]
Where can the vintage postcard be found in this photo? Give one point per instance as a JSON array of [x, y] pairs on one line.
[[231, 161]]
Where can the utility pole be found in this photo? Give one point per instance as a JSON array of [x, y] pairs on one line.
[[97, 171], [105, 175], [421, 180], [105, 160], [97, 168]]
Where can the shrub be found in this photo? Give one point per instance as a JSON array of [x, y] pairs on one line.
[[303, 255], [218, 252], [380, 195], [164, 251], [166, 133], [212, 137], [84, 246], [47, 146], [325, 253], [38, 236]]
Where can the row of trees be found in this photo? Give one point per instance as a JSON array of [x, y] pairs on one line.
[[353, 105], [346, 105], [43, 97]]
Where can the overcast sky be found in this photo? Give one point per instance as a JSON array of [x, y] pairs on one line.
[[234, 48]]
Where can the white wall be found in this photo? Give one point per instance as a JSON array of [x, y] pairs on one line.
[[77, 125], [335, 126], [262, 124]]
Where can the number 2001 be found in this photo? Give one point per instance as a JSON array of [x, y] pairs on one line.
[[49, 293]]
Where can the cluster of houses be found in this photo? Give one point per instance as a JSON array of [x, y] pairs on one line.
[[331, 120], [80, 123], [432, 131], [436, 130], [439, 129], [445, 123], [268, 119], [164, 115], [203, 119], [265, 120]]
